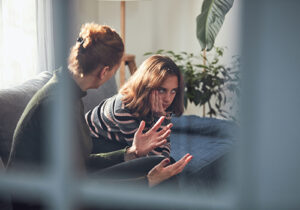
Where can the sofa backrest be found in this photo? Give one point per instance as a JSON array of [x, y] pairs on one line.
[[14, 100]]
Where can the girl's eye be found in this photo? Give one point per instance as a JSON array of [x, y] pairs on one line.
[[160, 90], [174, 91]]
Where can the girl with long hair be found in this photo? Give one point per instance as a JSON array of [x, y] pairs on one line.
[[154, 90]]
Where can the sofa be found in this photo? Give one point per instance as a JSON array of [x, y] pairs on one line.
[[207, 139]]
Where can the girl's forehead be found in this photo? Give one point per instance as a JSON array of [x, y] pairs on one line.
[[170, 81]]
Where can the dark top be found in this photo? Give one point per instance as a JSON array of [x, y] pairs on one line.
[[29, 146]]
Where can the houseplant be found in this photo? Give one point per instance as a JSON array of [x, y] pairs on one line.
[[210, 84], [210, 21], [207, 80]]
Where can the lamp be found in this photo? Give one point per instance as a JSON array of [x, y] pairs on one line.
[[128, 59]]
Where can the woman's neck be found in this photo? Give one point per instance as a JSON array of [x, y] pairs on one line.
[[82, 82]]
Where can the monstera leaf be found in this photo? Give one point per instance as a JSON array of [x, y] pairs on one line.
[[211, 20]]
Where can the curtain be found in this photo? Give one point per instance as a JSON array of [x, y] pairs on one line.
[[26, 40], [46, 61]]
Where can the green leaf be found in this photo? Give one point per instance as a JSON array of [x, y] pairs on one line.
[[170, 52], [201, 66], [197, 98], [210, 21], [159, 51], [148, 53]]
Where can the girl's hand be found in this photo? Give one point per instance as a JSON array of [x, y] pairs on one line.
[[143, 143], [162, 172], [157, 104]]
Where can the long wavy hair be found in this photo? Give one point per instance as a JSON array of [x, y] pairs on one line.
[[150, 76], [96, 45]]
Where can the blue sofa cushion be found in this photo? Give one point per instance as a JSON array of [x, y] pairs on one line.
[[207, 139]]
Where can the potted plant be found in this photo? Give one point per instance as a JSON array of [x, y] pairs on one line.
[[208, 84]]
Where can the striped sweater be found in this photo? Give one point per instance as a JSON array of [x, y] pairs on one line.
[[111, 120]]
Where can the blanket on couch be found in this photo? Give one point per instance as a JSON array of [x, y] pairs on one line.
[[209, 140]]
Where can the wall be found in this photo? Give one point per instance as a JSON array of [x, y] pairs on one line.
[[160, 24]]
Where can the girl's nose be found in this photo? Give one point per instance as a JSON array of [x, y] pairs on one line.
[[168, 97]]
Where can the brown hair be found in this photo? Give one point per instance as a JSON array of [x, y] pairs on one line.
[[149, 76], [96, 45]]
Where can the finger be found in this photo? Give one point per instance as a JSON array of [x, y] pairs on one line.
[[163, 134], [180, 165], [188, 159], [184, 158], [165, 129], [141, 128], [170, 125], [163, 163], [157, 102], [160, 143], [157, 125], [181, 161], [161, 108], [160, 105]]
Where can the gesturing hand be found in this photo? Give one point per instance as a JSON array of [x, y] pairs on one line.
[[156, 104], [143, 143], [162, 172]]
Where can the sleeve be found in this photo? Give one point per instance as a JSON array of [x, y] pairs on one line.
[[134, 171], [112, 120], [103, 160], [126, 123], [93, 121]]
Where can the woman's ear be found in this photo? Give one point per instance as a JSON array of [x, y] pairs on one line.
[[103, 72]]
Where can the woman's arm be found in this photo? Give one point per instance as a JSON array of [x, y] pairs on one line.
[[145, 170]]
